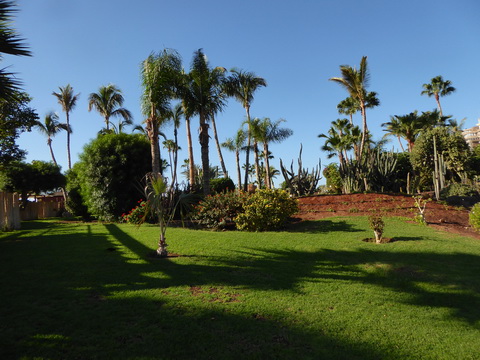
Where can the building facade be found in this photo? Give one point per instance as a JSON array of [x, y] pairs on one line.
[[472, 135]]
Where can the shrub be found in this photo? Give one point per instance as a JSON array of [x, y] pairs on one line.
[[112, 167], [137, 214], [218, 211], [221, 185], [457, 189], [267, 209], [377, 225], [474, 217], [334, 180]]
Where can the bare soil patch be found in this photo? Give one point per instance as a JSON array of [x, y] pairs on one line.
[[443, 217]]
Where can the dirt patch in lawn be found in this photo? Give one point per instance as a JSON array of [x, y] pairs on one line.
[[443, 217]]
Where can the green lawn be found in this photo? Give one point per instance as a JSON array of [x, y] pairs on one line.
[[90, 291]]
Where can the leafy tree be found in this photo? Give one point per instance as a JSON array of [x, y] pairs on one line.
[[75, 203], [10, 44], [16, 117], [333, 178], [437, 88], [34, 178], [68, 101], [111, 167], [451, 145], [242, 86], [108, 102], [355, 82], [160, 80], [51, 127]]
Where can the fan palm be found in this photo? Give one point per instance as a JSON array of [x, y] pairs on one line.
[[68, 101], [242, 86], [266, 132], [437, 88], [160, 79], [51, 127], [108, 102], [355, 82], [10, 44]]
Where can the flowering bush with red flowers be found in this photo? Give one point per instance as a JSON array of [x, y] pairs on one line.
[[137, 214]]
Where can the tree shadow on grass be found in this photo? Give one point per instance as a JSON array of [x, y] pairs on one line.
[[322, 226], [72, 306]]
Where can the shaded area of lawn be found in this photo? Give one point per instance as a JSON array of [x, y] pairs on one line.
[[91, 291]]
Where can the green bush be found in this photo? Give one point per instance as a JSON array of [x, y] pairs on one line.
[[267, 209], [221, 185], [218, 211], [137, 214], [475, 217], [457, 189], [75, 203], [334, 180], [111, 170]]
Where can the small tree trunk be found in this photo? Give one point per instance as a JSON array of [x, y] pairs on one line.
[[247, 152], [205, 156], [378, 236], [257, 164], [68, 142], [268, 181], [191, 163], [162, 243], [219, 150], [239, 172]]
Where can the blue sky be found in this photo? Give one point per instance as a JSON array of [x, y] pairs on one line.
[[295, 45]]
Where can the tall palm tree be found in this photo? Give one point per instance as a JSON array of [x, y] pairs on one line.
[[108, 102], [348, 106], [437, 88], [355, 82], [253, 128], [206, 99], [160, 79], [68, 101], [242, 85], [267, 132], [236, 145], [340, 138], [10, 44], [51, 127]]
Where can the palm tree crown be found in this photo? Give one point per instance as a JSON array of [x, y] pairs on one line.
[[108, 102], [51, 127], [68, 101], [437, 88]]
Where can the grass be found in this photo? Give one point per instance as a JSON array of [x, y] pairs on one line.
[[90, 291]]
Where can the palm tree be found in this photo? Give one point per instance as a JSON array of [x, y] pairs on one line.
[[108, 102], [266, 132], [68, 101], [237, 144], [118, 129], [10, 44], [355, 82], [242, 85], [51, 127], [349, 107], [160, 79], [176, 117], [340, 138], [437, 88], [206, 99]]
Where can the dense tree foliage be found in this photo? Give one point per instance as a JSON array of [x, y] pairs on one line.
[[34, 178], [15, 117], [451, 145], [111, 168]]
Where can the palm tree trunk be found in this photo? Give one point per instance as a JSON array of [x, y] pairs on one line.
[[268, 183], [191, 163], [239, 172], [68, 142], [437, 99], [107, 122], [401, 145], [49, 142], [247, 155], [220, 156], [257, 164], [175, 159], [203, 137], [365, 129], [152, 132], [162, 242]]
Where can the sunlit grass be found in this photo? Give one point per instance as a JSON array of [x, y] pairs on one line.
[[313, 291]]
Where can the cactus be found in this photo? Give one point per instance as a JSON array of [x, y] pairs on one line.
[[303, 182], [439, 172]]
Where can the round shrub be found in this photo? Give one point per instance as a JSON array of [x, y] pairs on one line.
[[112, 167], [218, 211], [475, 217], [460, 195], [265, 210], [221, 185]]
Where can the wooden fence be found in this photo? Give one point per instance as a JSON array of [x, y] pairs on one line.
[[9, 211], [40, 210]]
